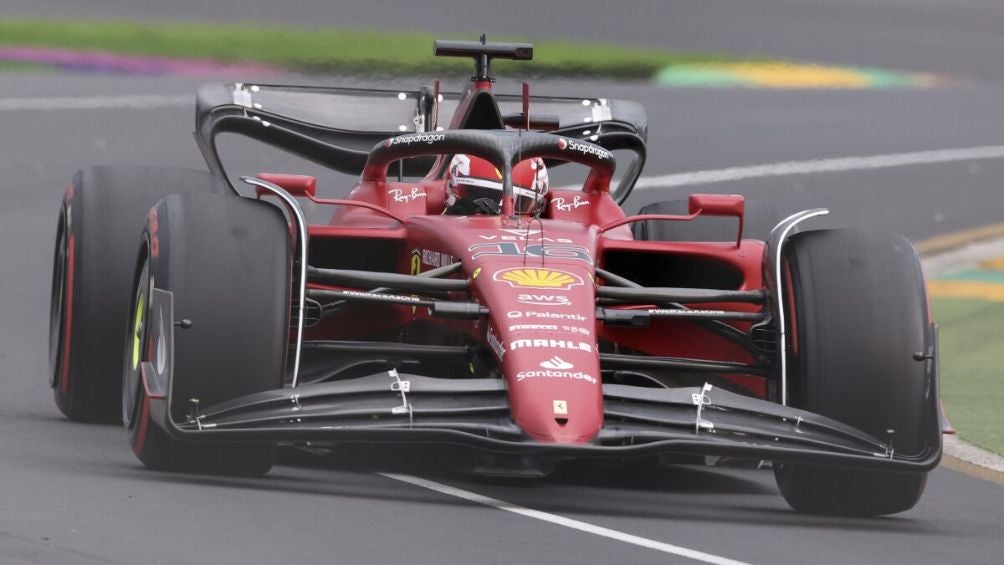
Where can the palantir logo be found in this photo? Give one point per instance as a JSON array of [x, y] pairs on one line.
[[556, 363]]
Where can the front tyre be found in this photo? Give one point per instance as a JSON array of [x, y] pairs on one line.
[[226, 260], [858, 310], [101, 215]]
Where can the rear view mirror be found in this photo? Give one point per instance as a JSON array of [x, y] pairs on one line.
[[297, 185], [717, 204]]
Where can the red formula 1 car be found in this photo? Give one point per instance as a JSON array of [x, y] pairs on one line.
[[453, 299]]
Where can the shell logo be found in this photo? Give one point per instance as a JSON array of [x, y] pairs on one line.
[[538, 278]]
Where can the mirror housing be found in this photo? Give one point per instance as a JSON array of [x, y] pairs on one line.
[[304, 186], [717, 204], [720, 205]]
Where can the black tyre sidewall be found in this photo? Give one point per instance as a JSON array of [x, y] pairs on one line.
[[104, 210], [226, 260], [859, 313]]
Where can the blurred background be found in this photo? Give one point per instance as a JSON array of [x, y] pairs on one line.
[[888, 112]]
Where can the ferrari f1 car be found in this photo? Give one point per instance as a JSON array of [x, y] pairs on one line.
[[219, 323]]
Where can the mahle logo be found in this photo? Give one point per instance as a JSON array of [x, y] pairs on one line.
[[550, 344]]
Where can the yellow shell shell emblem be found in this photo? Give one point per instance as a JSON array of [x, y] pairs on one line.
[[538, 278]]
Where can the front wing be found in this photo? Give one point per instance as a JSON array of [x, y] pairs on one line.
[[388, 407]]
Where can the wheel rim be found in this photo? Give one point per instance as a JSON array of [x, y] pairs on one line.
[[136, 338], [57, 320]]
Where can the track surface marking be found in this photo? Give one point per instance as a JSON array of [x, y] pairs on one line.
[[563, 521], [814, 166]]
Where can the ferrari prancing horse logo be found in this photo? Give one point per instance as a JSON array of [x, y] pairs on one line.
[[561, 407]]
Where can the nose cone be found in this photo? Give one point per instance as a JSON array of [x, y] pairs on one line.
[[569, 412], [548, 352], [538, 286]]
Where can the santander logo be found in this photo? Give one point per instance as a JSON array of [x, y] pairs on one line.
[[556, 363]]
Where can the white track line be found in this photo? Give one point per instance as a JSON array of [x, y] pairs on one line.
[[562, 521], [135, 101], [823, 166]]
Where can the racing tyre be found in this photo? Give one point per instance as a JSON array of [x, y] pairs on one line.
[[759, 218], [858, 312], [226, 260], [101, 216]]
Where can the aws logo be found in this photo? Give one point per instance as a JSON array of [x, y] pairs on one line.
[[544, 300], [551, 279]]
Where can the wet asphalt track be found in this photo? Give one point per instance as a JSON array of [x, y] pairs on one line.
[[75, 494]]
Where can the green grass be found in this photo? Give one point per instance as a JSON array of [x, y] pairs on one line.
[[331, 49], [972, 368]]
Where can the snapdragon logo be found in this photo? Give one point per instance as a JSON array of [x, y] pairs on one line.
[[585, 148], [429, 138]]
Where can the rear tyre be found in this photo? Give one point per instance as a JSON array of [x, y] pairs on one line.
[[101, 215], [226, 260], [858, 308], [760, 217]]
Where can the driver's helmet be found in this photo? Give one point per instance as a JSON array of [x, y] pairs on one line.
[[472, 178]]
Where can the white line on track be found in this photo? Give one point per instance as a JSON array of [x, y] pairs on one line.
[[135, 101], [563, 521], [842, 164]]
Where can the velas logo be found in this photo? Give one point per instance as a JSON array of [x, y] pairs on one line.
[[524, 233], [556, 363], [524, 239], [524, 236], [551, 279]]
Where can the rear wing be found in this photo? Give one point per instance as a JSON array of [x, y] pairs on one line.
[[337, 127]]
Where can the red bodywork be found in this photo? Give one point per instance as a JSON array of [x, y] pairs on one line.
[[537, 278]]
